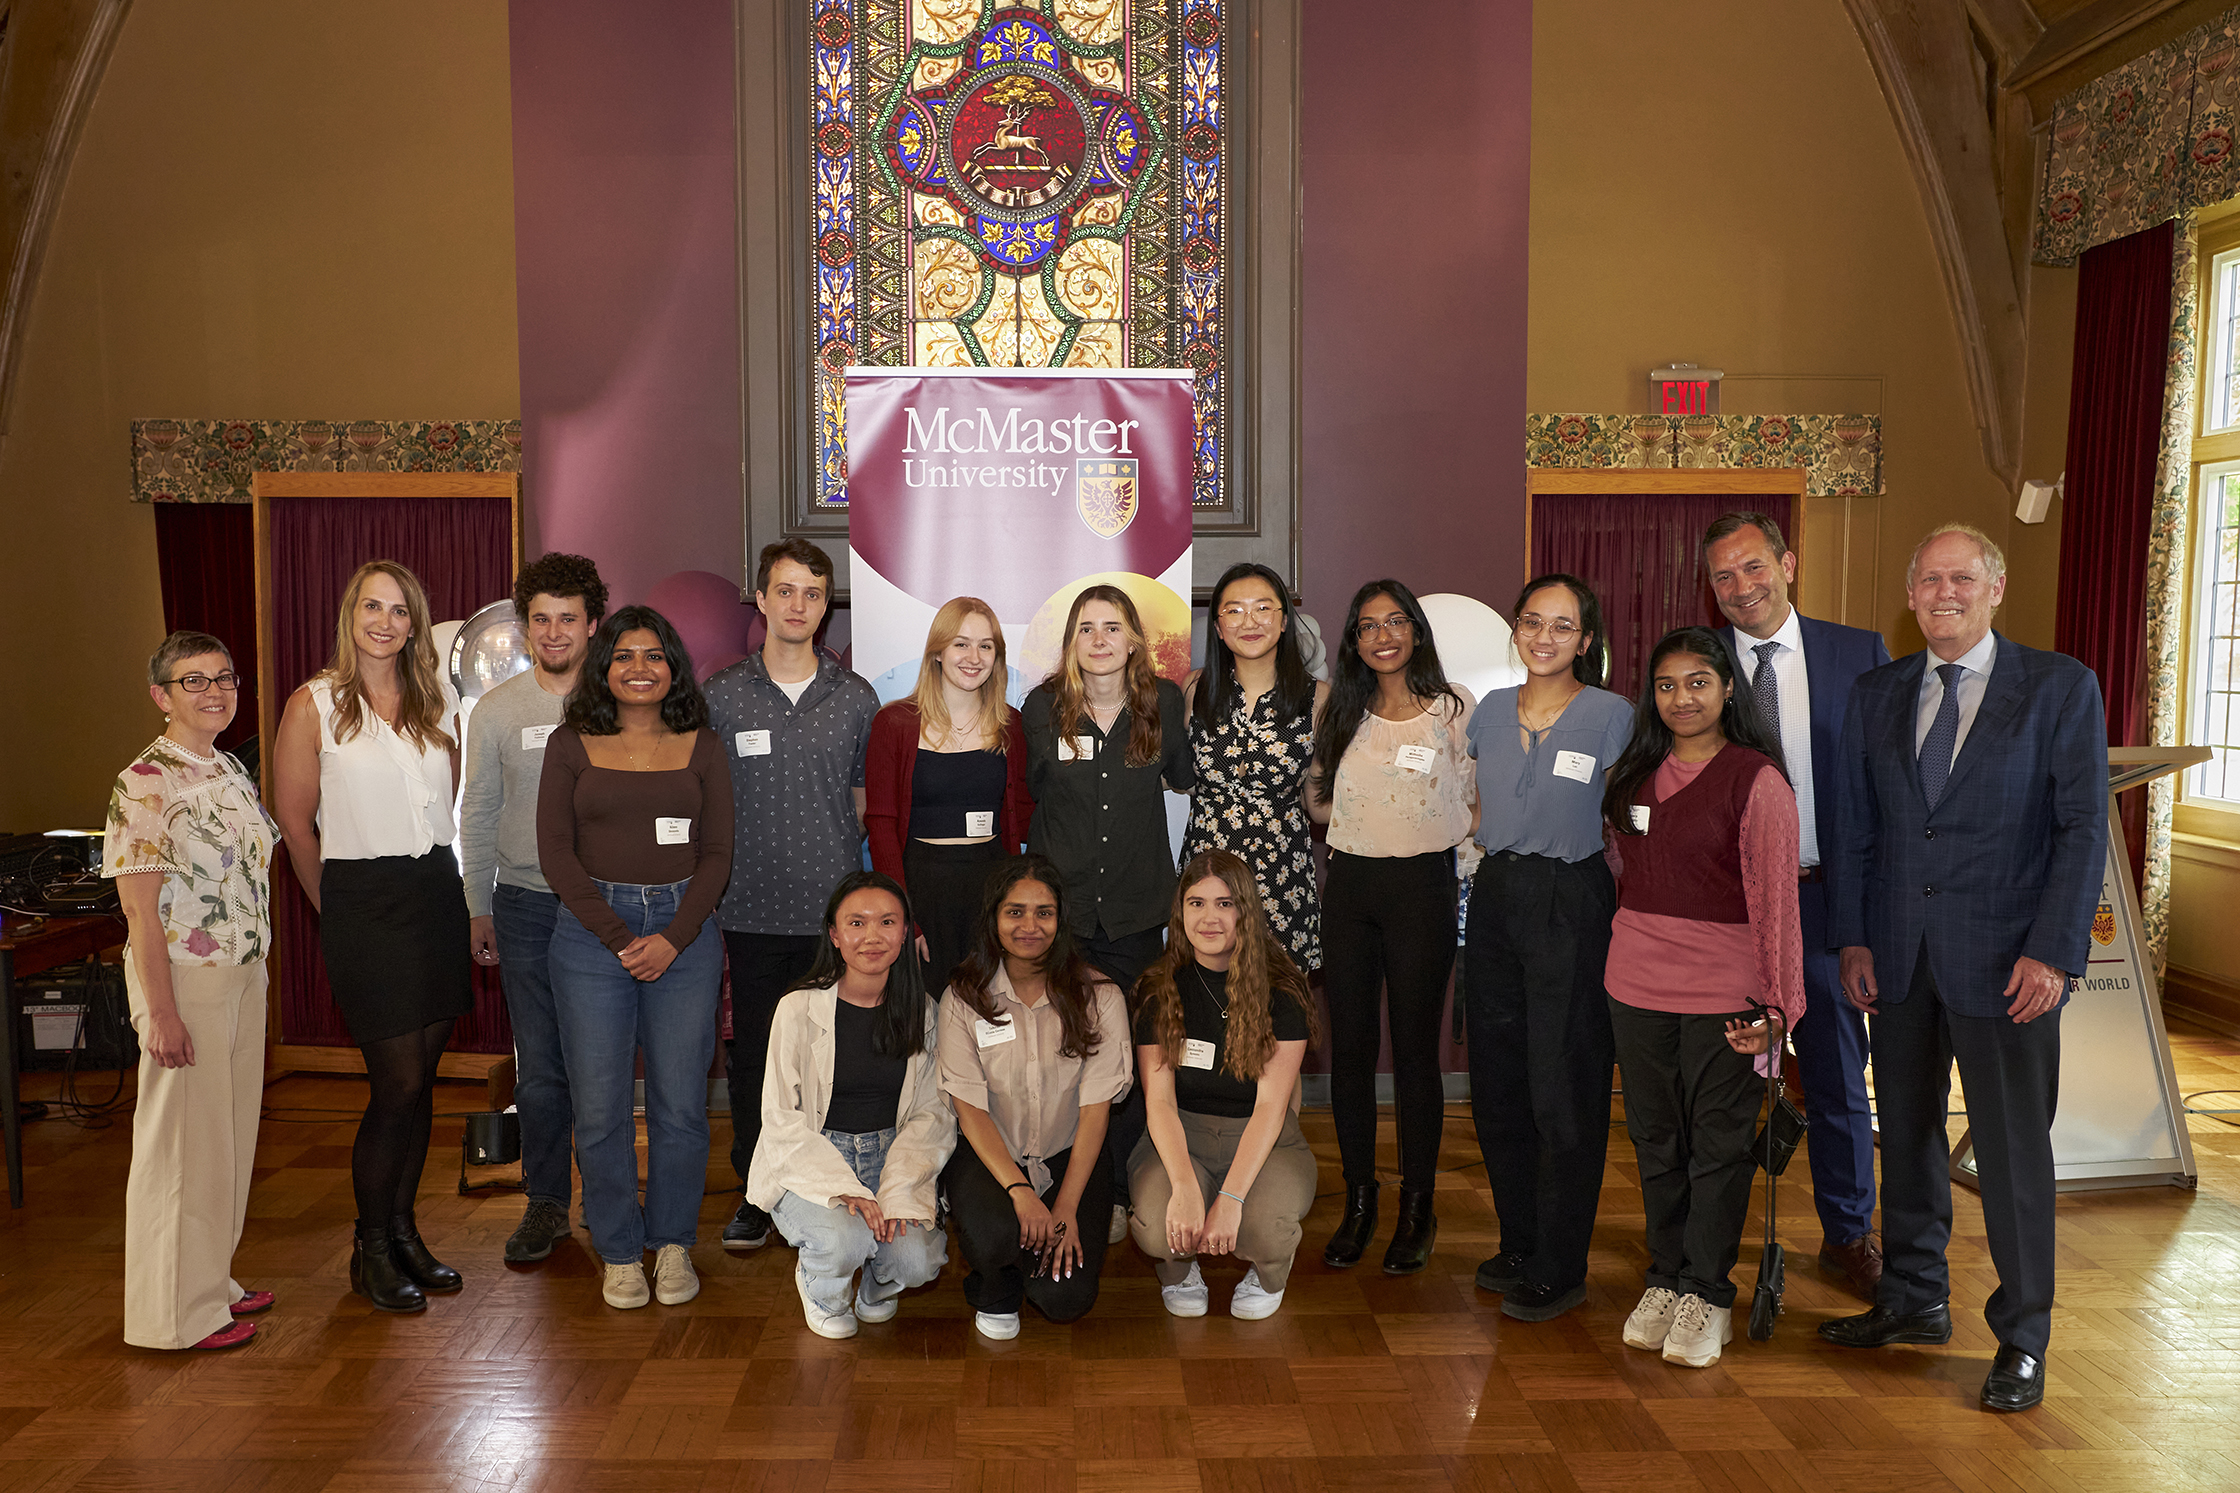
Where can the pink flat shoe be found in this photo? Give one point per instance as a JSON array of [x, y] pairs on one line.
[[233, 1335], [251, 1303]]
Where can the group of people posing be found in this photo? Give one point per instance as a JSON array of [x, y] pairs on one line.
[[1661, 883]]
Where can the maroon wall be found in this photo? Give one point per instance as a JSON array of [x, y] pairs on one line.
[[1415, 148]]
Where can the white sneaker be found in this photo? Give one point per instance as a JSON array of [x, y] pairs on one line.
[[1119, 1230], [625, 1286], [821, 1322], [674, 1280], [868, 1310], [1253, 1301], [1651, 1321], [1699, 1331], [1188, 1296], [1002, 1326]]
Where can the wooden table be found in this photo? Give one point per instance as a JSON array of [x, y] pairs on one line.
[[29, 947]]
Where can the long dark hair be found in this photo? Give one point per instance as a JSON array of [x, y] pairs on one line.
[[591, 706], [1652, 738], [1353, 684], [1590, 664], [1072, 991], [1260, 970], [1069, 695], [899, 1029], [1217, 684]]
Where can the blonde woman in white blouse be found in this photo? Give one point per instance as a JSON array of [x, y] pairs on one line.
[[1392, 778]]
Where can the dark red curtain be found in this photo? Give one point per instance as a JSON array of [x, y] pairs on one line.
[[206, 559], [462, 551], [1639, 552], [2115, 438]]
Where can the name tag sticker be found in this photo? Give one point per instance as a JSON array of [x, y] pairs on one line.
[[1077, 749], [1415, 758], [980, 822], [672, 831], [752, 743], [991, 1035], [533, 738], [1641, 817], [1577, 766], [1196, 1054]]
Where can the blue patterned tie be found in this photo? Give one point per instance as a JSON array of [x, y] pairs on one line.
[[1937, 747], [1765, 687]]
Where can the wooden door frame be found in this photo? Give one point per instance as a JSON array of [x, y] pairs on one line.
[[1743, 482]]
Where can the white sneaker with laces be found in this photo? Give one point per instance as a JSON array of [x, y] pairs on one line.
[[1119, 1229], [821, 1322], [1002, 1326], [674, 1280], [1187, 1297], [1651, 1321], [868, 1310], [625, 1286], [1699, 1331], [1252, 1301]]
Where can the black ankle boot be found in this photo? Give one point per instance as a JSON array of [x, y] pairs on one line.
[[375, 1276], [413, 1259], [1356, 1229], [1412, 1235]]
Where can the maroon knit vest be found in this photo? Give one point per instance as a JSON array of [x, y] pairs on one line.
[[1689, 864]]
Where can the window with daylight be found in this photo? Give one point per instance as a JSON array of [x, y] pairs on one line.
[[2220, 403], [1029, 185], [2214, 710]]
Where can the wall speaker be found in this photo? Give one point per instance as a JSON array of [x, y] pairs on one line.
[[2037, 497]]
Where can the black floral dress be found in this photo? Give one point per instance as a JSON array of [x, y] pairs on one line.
[[1250, 768]]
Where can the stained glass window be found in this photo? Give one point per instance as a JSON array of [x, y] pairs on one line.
[[1027, 185]]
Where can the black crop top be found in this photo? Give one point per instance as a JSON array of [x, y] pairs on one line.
[[946, 786]]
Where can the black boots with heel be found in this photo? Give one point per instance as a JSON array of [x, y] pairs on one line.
[[1413, 1235], [412, 1257], [375, 1276], [1356, 1229]]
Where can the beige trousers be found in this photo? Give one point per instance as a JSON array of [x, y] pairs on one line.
[[1268, 1230], [194, 1140]]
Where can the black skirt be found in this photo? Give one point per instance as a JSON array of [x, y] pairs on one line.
[[946, 885], [394, 931]]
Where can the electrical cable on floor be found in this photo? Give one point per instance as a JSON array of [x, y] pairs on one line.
[[2219, 1115]]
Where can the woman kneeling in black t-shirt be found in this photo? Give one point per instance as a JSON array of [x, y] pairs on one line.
[[1225, 1022]]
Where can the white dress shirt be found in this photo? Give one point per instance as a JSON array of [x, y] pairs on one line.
[[1796, 719], [1977, 662]]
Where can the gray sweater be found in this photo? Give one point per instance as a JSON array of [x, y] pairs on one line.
[[504, 762]]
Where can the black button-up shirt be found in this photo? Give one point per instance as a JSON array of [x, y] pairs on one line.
[[1104, 822]]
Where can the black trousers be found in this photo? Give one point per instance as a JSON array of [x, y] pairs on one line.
[[988, 1234], [947, 885], [1388, 941], [1692, 1105], [1123, 960], [762, 966], [1540, 1051], [2012, 1075]]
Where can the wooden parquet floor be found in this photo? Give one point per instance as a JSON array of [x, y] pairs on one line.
[[527, 1381]]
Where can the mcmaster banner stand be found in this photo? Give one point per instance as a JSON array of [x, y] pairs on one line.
[[2121, 1120]]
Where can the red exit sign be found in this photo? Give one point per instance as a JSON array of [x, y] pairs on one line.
[[1684, 390]]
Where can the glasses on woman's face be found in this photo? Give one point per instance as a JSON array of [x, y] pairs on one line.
[[1262, 612], [195, 684], [1368, 629], [1562, 630]]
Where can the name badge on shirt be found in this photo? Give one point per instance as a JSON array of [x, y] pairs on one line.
[[1415, 758], [1641, 817], [991, 1035], [672, 831], [533, 738], [1577, 766], [980, 822], [1077, 748], [1196, 1054], [752, 743]]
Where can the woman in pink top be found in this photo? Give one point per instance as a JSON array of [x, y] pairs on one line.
[[1703, 952]]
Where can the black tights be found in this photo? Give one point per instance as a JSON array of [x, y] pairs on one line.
[[392, 1145]]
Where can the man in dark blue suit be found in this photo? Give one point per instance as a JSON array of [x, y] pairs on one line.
[[1970, 840], [1800, 672]]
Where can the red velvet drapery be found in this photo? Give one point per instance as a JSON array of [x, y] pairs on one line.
[[1640, 553], [462, 551], [2115, 439], [206, 562]]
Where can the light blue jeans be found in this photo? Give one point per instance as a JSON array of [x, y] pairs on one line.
[[835, 1243]]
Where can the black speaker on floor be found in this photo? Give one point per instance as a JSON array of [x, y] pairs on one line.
[[76, 1017]]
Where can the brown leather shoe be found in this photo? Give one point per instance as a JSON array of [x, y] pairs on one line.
[[1859, 1262]]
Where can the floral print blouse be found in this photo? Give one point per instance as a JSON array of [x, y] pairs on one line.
[[197, 820]]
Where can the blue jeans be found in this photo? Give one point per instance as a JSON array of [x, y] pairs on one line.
[[523, 920], [835, 1243], [606, 1018]]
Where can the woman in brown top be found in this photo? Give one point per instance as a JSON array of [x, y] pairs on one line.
[[634, 833]]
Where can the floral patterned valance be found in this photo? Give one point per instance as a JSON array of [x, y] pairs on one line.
[[1841, 454], [209, 461], [2139, 145]]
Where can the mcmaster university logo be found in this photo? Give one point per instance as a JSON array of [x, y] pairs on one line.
[[1105, 494]]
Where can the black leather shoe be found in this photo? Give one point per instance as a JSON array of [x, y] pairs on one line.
[[749, 1228], [1880, 1328], [375, 1276], [1530, 1302], [1502, 1274], [412, 1257], [1355, 1230], [2016, 1382], [1413, 1235]]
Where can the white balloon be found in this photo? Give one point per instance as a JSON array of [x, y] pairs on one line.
[[1475, 648]]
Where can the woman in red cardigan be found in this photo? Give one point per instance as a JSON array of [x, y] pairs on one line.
[[945, 781]]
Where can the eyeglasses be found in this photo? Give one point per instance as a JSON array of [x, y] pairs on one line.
[[1259, 611], [195, 684], [1562, 630], [1391, 627]]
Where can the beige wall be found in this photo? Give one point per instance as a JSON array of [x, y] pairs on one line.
[[277, 211]]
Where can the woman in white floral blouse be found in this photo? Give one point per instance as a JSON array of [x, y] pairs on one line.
[[191, 850]]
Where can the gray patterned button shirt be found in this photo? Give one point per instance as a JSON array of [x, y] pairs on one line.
[[795, 832]]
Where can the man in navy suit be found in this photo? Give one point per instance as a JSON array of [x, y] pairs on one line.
[[1800, 672], [1971, 835]]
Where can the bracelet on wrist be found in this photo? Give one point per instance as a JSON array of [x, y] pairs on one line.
[[1225, 1192], [1014, 1187]]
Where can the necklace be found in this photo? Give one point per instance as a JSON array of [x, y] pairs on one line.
[[633, 756], [1536, 727], [1207, 986]]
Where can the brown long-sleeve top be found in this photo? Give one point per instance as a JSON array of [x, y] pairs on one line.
[[610, 824]]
